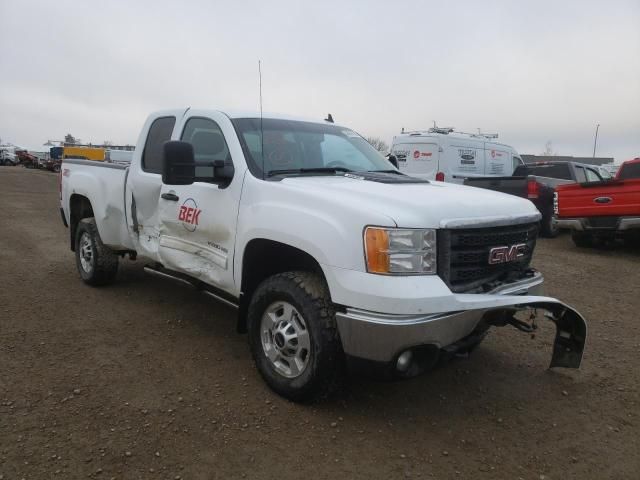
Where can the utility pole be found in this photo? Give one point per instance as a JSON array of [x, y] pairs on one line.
[[595, 141]]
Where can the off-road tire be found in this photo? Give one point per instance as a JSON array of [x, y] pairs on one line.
[[309, 295], [548, 229], [104, 262], [582, 240]]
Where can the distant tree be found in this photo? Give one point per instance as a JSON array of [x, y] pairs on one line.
[[378, 144], [548, 150], [70, 139], [107, 143]]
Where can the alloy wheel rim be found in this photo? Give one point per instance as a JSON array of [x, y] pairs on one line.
[[86, 253], [285, 339]]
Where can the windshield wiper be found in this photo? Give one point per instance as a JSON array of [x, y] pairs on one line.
[[272, 173]]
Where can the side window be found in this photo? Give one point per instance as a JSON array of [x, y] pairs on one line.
[[517, 161], [592, 176], [159, 133], [581, 177], [208, 145]]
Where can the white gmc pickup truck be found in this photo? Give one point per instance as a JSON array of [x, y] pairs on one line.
[[332, 257]]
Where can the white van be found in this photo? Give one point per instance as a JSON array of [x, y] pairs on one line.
[[445, 155]]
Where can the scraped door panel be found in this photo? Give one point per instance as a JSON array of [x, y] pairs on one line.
[[197, 231]]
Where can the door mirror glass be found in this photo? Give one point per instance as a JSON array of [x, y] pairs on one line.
[[393, 160], [178, 165]]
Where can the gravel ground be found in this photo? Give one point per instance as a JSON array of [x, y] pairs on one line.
[[147, 379]]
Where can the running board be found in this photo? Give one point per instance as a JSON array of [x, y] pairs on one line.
[[162, 272]]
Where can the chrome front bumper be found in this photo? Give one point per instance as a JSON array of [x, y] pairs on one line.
[[382, 337]]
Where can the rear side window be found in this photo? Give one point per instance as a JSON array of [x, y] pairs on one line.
[[629, 171], [581, 177], [159, 133], [551, 171]]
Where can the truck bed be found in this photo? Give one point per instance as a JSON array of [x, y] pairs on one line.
[[104, 185], [512, 185]]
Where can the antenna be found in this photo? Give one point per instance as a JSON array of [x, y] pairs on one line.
[[261, 130]]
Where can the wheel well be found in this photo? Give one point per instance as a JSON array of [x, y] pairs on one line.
[[263, 258], [79, 208]]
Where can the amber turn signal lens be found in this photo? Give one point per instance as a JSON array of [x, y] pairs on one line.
[[377, 247]]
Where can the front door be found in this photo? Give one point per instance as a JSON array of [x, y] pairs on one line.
[[197, 223]]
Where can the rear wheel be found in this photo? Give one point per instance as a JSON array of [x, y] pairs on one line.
[[549, 227], [96, 263], [293, 336], [582, 239]]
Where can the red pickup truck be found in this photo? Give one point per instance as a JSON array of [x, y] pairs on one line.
[[603, 210]]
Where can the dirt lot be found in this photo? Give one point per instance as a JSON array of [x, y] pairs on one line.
[[146, 379]]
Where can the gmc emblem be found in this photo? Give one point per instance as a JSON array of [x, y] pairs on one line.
[[507, 254]]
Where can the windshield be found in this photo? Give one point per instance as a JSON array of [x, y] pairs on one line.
[[296, 147]]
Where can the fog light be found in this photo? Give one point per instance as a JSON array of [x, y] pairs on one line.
[[404, 361]]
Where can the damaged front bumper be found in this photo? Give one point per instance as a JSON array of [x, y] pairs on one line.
[[381, 337]]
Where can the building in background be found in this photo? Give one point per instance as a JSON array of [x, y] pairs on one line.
[[567, 158]]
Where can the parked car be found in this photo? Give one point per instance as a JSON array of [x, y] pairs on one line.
[[330, 256], [8, 158], [602, 210], [537, 182], [448, 156]]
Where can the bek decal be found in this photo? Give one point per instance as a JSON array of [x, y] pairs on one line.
[[189, 215], [416, 154]]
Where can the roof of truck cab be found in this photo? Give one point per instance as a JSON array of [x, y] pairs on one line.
[[233, 114]]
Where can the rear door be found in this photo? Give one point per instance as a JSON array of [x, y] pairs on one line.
[[144, 183], [498, 160], [197, 223], [417, 158], [462, 159]]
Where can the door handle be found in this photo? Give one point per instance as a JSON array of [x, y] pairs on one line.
[[170, 196]]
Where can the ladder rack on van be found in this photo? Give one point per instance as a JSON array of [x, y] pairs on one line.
[[448, 130]]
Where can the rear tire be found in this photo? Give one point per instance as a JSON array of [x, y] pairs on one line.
[[582, 240], [96, 263], [293, 336], [548, 227]]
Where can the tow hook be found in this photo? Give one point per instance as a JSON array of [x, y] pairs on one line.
[[571, 329]]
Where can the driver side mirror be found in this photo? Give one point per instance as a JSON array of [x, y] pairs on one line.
[[178, 164], [393, 160]]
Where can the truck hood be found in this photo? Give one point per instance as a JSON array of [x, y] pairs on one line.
[[418, 205]]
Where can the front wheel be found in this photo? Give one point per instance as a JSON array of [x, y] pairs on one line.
[[96, 263], [293, 336]]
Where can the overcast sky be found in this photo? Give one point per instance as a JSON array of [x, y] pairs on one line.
[[532, 71]]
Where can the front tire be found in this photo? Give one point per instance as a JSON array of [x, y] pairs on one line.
[[96, 263], [293, 336]]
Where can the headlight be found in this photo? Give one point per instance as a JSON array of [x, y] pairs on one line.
[[400, 251]]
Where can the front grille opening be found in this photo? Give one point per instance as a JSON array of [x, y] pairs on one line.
[[463, 256]]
